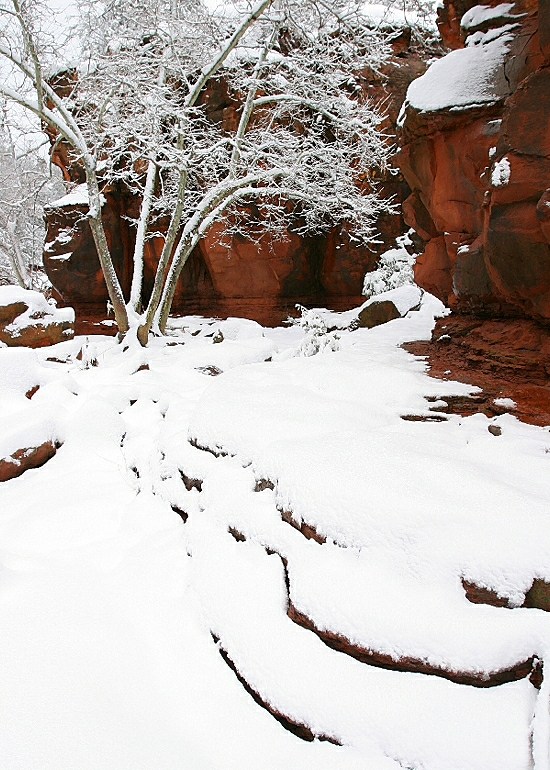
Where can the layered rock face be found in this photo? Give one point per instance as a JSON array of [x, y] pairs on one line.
[[229, 276], [475, 150]]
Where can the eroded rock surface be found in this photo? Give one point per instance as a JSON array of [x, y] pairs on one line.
[[475, 150], [23, 459], [507, 358]]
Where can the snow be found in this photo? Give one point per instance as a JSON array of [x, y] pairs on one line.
[[77, 197], [39, 312], [480, 14], [464, 78], [114, 611], [506, 403], [394, 269], [500, 175]]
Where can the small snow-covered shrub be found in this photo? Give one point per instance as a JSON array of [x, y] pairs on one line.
[[395, 269], [317, 338]]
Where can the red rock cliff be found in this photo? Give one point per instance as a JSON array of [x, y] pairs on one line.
[[475, 150]]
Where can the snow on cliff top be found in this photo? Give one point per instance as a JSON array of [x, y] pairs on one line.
[[463, 78], [482, 13]]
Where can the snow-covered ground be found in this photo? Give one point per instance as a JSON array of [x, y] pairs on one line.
[[114, 611]]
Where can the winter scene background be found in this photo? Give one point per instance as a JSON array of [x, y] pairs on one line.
[[274, 385]]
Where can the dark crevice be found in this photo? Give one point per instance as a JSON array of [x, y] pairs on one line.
[[191, 483], [180, 512], [212, 371], [262, 484], [538, 596], [298, 729], [238, 536], [306, 529], [424, 417], [215, 452]]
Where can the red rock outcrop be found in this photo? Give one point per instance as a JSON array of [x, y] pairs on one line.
[[27, 319], [261, 280], [507, 358], [475, 150], [24, 459]]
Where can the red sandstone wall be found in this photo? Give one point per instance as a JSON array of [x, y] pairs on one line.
[[487, 245]]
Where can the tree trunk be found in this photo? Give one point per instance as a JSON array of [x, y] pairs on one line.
[[100, 240]]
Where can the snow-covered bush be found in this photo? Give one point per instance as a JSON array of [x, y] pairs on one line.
[[395, 269], [317, 338]]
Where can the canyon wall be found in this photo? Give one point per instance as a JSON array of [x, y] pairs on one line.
[[475, 150]]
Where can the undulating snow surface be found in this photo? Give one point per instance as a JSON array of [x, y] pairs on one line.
[[114, 611]]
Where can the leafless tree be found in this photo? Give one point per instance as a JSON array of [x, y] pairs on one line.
[[306, 140]]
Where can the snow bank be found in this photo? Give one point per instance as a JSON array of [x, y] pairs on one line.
[[114, 611], [404, 298]]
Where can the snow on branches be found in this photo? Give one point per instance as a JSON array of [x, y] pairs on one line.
[[301, 147]]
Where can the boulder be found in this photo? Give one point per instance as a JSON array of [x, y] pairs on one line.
[[475, 150], [378, 312], [28, 319], [387, 306], [23, 459]]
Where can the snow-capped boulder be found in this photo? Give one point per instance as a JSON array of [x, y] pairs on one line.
[[390, 305], [28, 319]]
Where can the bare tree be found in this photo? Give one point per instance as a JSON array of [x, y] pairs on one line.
[[26, 185], [305, 144]]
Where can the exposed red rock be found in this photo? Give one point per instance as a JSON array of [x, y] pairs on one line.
[[507, 358], [26, 458], [482, 595], [307, 530], [378, 312], [480, 172], [537, 597], [381, 660]]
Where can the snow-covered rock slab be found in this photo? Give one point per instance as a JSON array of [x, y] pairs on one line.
[[27, 319]]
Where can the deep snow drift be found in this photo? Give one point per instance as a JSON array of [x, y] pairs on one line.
[[114, 609]]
